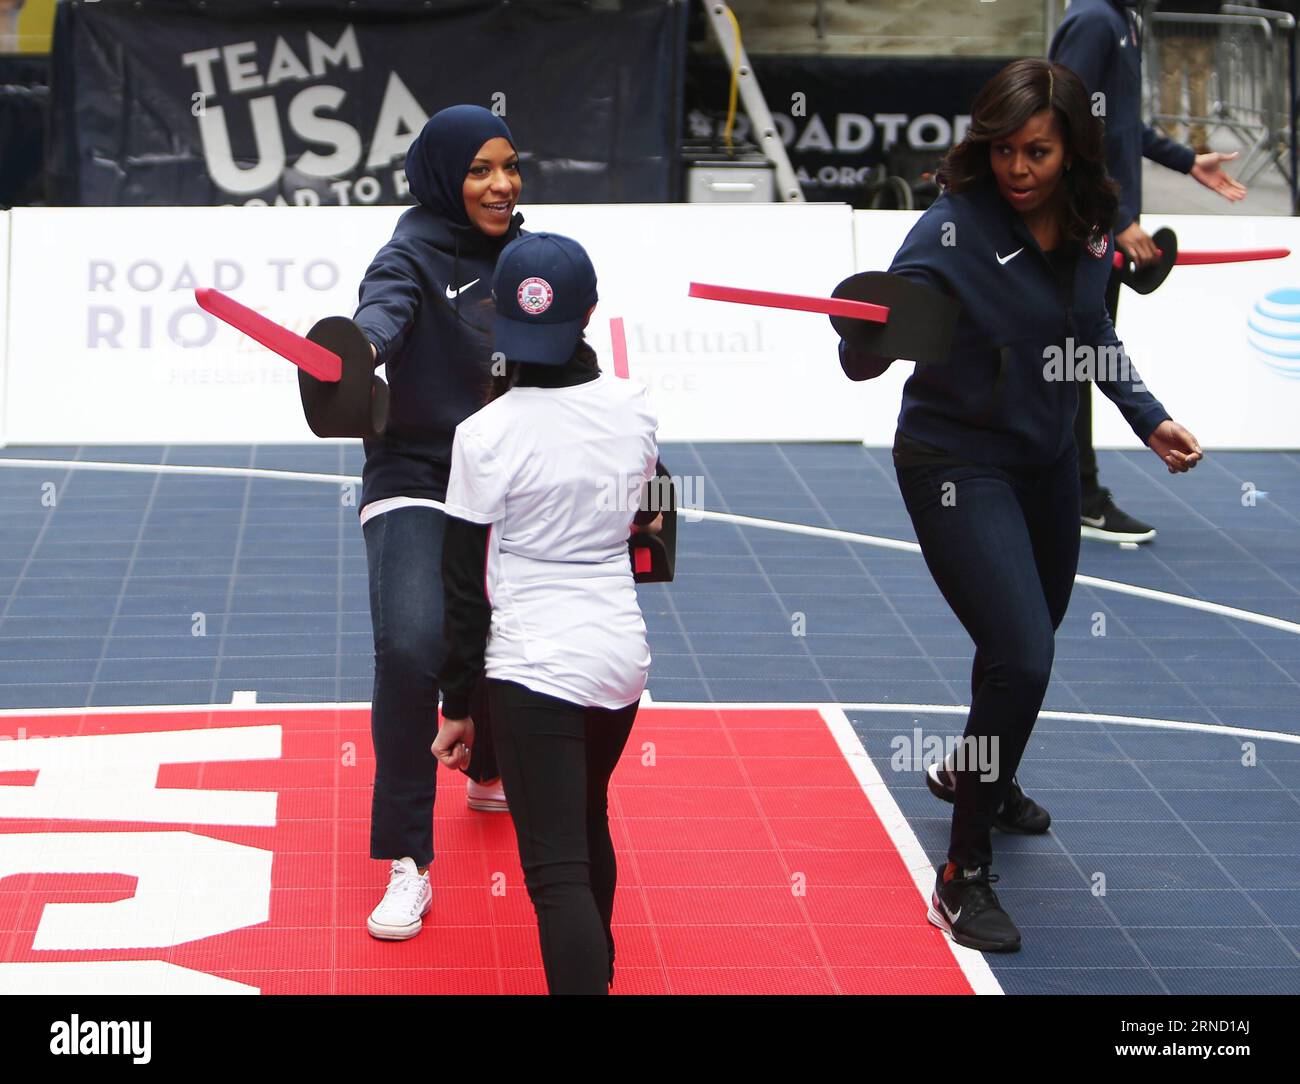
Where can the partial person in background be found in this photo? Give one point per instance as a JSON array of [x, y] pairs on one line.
[[1101, 42], [1186, 52], [9, 12]]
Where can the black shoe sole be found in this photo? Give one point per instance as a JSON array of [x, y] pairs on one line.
[[936, 919], [1097, 534]]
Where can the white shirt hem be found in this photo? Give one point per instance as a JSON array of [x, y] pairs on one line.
[[388, 504], [539, 685]]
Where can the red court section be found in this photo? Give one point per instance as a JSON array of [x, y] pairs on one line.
[[230, 847]]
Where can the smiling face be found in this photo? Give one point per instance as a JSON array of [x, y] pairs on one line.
[[1028, 163], [492, 186]]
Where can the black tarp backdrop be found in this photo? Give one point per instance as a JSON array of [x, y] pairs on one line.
[[314, 101], [24, 101], [853, 113]]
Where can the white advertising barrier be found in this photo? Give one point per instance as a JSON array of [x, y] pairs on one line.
[[4, 316], [721, 371], [107, 345], [1218, 345]]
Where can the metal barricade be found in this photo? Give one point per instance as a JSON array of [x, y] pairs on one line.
[[1238, 77]]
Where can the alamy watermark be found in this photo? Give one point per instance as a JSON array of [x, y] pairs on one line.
[[1083, 363], [917, 751], [628, 493]]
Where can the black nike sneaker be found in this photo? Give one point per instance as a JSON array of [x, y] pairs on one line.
[[967, 910], [1101, 521], [1018, 814]]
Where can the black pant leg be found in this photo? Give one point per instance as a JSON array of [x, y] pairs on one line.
[[607, 734], [542, 753], [1054, 533], [978, 545]]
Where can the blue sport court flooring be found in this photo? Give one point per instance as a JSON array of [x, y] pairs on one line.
[[1173, 864]]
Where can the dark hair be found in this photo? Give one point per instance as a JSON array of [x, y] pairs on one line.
[[1019, 91], [583, 356]]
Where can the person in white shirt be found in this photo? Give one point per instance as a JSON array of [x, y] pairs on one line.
[[545, 486]]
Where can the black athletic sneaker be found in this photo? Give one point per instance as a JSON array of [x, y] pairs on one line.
[[1102, 521], [1018, 814], [967, 910]]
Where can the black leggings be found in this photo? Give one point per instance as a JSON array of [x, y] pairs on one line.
[[1003, 547], [556, 758]]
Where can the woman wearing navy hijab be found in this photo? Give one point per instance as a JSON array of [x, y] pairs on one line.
[[426, 307]]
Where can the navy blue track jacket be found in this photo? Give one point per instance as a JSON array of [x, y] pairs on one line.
[[426, 304], [438, 349], [1098, 41], [999, 399]]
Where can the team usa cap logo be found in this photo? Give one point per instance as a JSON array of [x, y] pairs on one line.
[[1097, 245], [535, 296]]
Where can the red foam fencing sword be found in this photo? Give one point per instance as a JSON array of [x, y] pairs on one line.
[[1209, 256], [828, 306], [308, 356]]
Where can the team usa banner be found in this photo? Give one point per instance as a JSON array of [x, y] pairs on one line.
[[173, 102]]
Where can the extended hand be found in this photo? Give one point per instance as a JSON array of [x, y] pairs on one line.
[[653, 527], [1137, 245], [1209, 171], [1176, 446], [454, 743]]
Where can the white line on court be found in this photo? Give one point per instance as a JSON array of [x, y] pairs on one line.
[[922, 871], [647, 701], [178, 468], [164, 709], [1089, 581], [964, 709], [879, 541]]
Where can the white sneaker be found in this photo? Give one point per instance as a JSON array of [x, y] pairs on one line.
[[486, 799], [399, 914]]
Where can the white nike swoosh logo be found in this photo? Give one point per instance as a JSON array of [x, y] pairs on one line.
[[951, 916], [1099, 522], [1004, 260], [453, 294]]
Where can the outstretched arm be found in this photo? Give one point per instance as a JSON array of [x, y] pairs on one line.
[[1208, 170], [1146, 416], [389, 298]]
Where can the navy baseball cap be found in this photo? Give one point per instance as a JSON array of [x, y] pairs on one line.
[[544, 286]]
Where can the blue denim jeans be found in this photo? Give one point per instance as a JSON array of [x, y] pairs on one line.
[[1003, 547], [403, 551], [404, 557]]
